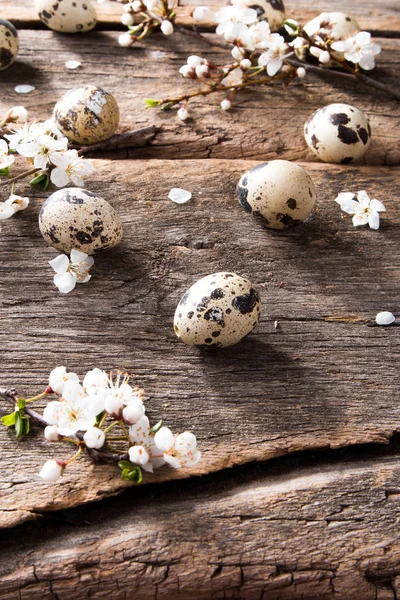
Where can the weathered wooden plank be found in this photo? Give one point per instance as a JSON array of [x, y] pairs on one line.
[[318, 533], [264, 124], [323, 378], [372, 15]]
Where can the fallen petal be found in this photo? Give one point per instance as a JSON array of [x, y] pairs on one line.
[[24, 89], [179, 196], [72, 64], [385, 318]]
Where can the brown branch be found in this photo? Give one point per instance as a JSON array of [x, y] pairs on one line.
[[139, 137], [18, 177]]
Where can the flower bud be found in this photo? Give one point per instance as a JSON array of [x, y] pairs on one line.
[[187, 71], [125, 40], [136, 6], [324, 57], [194, 61], [167, 28], [301, 72], [183, 113], [202, 13], [132, 413], [51, 433], [138, 455], [127, 19], [94, 438], [245, 64], [226, 104], [236, 52], [114, 405], [17, 113], [202, 71], [51, 471]]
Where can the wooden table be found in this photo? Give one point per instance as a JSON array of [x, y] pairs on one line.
[[316, 399]]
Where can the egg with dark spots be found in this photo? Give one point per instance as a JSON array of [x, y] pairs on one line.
[[217, 311], [272, 11], [9, 44], [87, 115], [67, 16], [76, 218], [338, 133], [332, 26], [282, 192]]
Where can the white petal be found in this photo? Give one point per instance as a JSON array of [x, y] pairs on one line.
[[367, 62], [173, 461], [60, 264], [72, 64], [78, 256], [65, 282], [185, 441], [72, 390], [373, 220], [59, 177], [385, 318], [24, 89], [52, 412], [164, 439], [363, 199], [349, 206], [179, 196], [273, 66], [6, 211], [138, 455], [360, 219], [377, 206]]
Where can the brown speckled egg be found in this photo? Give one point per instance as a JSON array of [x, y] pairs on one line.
[[272, 11], [76, 218], [335, 26], [279, 190], [338, 133], [67, 16], [87, 115], [217, 311], [9, 44]]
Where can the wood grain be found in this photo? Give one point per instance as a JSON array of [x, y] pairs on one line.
[[320, 533], [322, 379], [372, 15], [264, 124]]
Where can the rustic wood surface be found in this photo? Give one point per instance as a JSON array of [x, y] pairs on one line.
[[325, 378]]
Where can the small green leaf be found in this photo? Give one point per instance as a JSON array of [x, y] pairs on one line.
[[19, 425], [9, 420], [166, 107], [27, 425], [125, 464], [5, 171], [150, 103], [99, 418], [156, 427], [21, 403], [38, 179], [134, 476]]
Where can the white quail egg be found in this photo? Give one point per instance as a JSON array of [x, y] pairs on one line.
[[338, 133], [217, 311], [76, 218], [67, 16], [9, 44], [332, 26], [279, 190], [87, 115], [272, 11]]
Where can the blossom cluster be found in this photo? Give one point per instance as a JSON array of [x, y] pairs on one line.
[[157, 13], [88, 414]]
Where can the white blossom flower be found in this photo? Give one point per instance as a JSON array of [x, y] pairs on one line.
[[183, 113], [69, 167], [43, 150], [238, 53], [18, 134], [234, 77], [202, 14], [238, 34], [16, 114], [70, 272], [179, 451], [51, 471], [6, 160], [119, 394], [359, 49], [95, 382], [260, 35], [385, 318], [187, 71], [51, 433], [273, 57], [133, 412], [139, 455], [75, 411], [94, 438], [167, 28], [226, 104], [12, 205], [140, 434], [364, 210], [6, 211], [125, 40], [229, 16], [59, 377]]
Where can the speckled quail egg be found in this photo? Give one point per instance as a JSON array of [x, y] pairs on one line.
[[335, 26], [272, 11], [217, 311], [9, 44], [76, 218], [87, 115], [338, 133], [280, 191], [67, 16]]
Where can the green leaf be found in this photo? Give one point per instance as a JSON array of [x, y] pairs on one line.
[[150, 103], [134, 476], [37, 179], [5, 171], [41, 181], [9, 420], [125, 464], [156, 427], [21, 403], [19, 425], [166, 107], [99, 418], [27, 425]]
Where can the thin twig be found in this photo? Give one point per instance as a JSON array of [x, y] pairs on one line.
[[18, 177]]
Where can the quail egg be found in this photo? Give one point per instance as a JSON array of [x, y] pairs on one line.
[[280, 191], [76, 218], [338, 133], [272, 11], [9, 44], [332, 26], [87, 115], [217, 311], [67, 16]]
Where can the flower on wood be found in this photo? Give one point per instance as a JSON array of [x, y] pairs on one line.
[[364, 210], [273, 57], [6, 160], [59, 377], [69, 167], [69, 272], [42, 149], [51, 471], [359, 49], [140, 434], [179, 451], [385, 318], [12, 205]]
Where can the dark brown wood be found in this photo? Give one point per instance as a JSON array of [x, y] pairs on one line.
[[280, 532], [322, 379]]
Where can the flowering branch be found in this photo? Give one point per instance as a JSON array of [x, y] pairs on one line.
[[85, 414]]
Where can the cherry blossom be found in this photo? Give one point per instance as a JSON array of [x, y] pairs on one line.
[[359, 49], [364, 209], [273, 57], [229, 16], [69, 272], [94, 438], [6, 160], [59, 377], [43, 150], [141, 435], [12, 205], [179, 451], [51, 471], [69, 167]]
